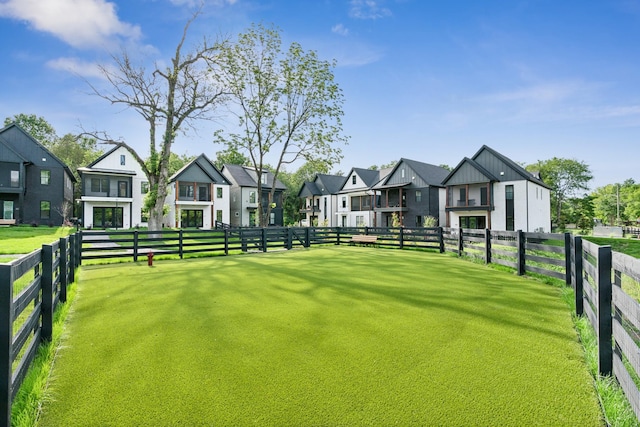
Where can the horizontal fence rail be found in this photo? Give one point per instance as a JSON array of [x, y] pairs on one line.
[[31, 288]]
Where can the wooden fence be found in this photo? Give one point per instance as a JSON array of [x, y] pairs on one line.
[[31, 288], [597, 275]]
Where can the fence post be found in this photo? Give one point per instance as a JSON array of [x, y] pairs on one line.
[[6, 339], [289, 244], [578, 275], [47, 292], [460, 243], [79, 248], [264, 239], [337, 235], [520, 240], [605, 319], [307, 237], [401, 237], [226, 241], [487, 246], [441, 239], [64, 269], [567, 257], [135, 246], [180, 243], [72, 258]]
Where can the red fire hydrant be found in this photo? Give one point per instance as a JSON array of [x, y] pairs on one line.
[[150, 259]]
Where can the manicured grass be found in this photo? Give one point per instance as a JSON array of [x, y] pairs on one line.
[[25, 239], [328, 336], [630, 247]]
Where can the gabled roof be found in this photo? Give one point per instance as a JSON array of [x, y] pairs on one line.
[[35, 141], [104, 156], [17, 156], [322, 184], [516, 167], [467, 161], [492, 177], [246, 176], [308, 189], [430, 174], [203, 163]]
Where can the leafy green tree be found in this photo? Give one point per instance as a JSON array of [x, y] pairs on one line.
[[566, 177], [36, 126], [169, 97], [580, 211], [288, 106], [617, 203], [230, 156]]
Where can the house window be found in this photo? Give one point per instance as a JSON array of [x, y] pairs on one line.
[[272, 218], [263, 179], [15, 179], [122, 188], [203, 193], [191, 218], [483, 196], [7, 209], [122, 160], [418, 220], [99, 185], [219, 215], [144, 187], [462, 201], [252, 197], [344, 201], [45, 210], [353, 179], [219, 192], [473, 222], [186, 191], [360, 221], [45, 177], [509, 208], [418, 196], [402, 173]]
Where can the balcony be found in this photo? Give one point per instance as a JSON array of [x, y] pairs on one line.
[[469, 197], [310, 210]]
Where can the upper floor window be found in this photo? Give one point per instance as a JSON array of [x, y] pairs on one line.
[[144, 187], [418, 196], [264, 178], [353, 179], [344, 201], [15, 179], [99, 185], [252, 197], [402, 173], [186, 190], [122, 160], [219, 193], [45, 177]]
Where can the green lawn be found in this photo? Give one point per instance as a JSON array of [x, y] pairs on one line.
[[327, 336], [25, 239], [630, 247]]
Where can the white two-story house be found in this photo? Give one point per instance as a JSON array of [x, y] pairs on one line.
[[357, 198], [113, 190], [198, 196], [491, 191], [320, 200]]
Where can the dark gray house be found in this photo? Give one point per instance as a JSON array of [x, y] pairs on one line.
[[244, 195], [413, 190], [36, 187]]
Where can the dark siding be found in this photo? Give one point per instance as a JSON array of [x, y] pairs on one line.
[[434, 202], [496, 166], [467, 174], [193, 174]]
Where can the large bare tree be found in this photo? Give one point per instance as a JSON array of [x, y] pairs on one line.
[[170, 99], [287, 103]]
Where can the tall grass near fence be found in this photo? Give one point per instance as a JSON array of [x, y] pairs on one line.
[[331, 336]]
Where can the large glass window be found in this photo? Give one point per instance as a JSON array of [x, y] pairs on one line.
[[418, 196], [219, 215], [144, 187], [191, 218], [473, 222], [45, 177], [252, 197], [107, 217], [45, 209], [203, 193], [15, 179], [123, 186], [509, 207], [483, 196]]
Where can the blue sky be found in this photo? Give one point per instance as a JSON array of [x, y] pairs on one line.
[[427, 80]]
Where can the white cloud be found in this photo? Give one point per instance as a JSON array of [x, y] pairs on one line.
[[76, 66], [368, 9], [551, 92], [340, 29], [80, 23], [192, 3]]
